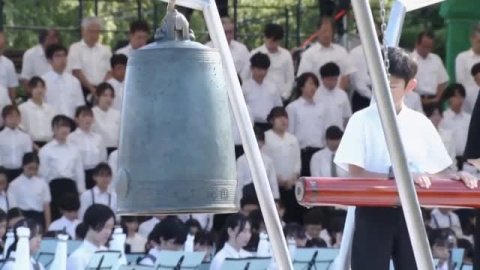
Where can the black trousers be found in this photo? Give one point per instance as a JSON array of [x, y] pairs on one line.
[[380, 235], [110, 150], [89, 183], [263, 126], [40, 143], [239, 151], [35, 215], [476, 240], [293, 211], [359, 102], [306, 156], [58, 188], [13, 173]]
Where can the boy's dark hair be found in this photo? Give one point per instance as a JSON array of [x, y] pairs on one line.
[[248, 200], [3, 216], [452, 89], [118, 59], [30, 158], [273, 31], [139, 25], [256, 219], [401, 65], [97, 216], [104, 87], [128, 219], [313, 217], [9, 109], [259, 134], [102, 169], [69, 202], [83, 110], [333, 133], [52, 49], [170, 228], [475, 69], [62, 121], [260, 60], [425, 33], [35, 81], [294, 230], [204, 238], [429, 109], [330, 69], [277, 112]]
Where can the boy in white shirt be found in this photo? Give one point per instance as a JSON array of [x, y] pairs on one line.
[[322, 164], [334, 99], [69, 205], [107, 119], [99, 194], [260, 94], [36, 114], [14, 143], [381, 233], [118, 62], [89, 143]]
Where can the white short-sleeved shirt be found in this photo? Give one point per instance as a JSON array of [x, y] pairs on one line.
[[107, 124], [459, 124], [127, 50], [317, 55], [62, 161], [64, 223], [431, 72], [280, 72], [30, 194], [7, 202], [93, 62], [463, 67], [284, 152], [361, 80], [8, 75], [64, 92], [244, 175], [37, 120], [240, 54], [261, 98], [363, 143], [227, 252], [14, 143], [320, 164], [119, 88], [308, 122], [337, 106], [414, 102], [137, 243], [147, 226], [80, 258], [96, 196], [91, 147], [34, 62]]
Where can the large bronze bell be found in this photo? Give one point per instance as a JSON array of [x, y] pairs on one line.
[[176, 153]]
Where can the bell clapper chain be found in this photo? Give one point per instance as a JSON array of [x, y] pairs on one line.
[[383, 15]]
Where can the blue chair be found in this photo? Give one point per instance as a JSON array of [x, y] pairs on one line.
[[136, 267], [467, 267], [72, 245], [133, 258], [457, 257], [392, 267]]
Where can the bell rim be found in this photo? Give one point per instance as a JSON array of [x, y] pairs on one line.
[[159, 212]]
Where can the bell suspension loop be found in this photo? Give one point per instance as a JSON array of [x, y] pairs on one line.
[[174, 26]]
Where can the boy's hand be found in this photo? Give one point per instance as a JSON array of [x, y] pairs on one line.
[[423, 180], [469, 180]]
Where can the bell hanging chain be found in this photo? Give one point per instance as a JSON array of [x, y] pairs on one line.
[[383, 16]]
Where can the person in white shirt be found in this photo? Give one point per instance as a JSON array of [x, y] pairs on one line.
[[432, 77], [118, 62], [4, 100], [7, 202], [31, 192], [322, 163], [381, 233], [441, 252], [91, 145], [204, 242], [14, 143], [281, 71], [235, 236], [88, 59], [325, 51], [443, 218], [64, 92], [135, 242], [107, 119], [99, 194], [170, 235], [307, 121], [35, 61], [261, 95], [472, 90], [61, 163], [239, 51], [35, 239], [334, 99], [456, 120], [36, 114], [99, 221], [68, 205], [244, 175], [138, 36], [465, 60], [204, 220], [147, 226], [315, 229], [8, 75]]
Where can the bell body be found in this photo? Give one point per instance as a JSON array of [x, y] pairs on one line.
[[176, 153], [316, 191]]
